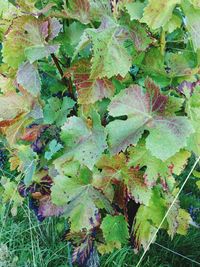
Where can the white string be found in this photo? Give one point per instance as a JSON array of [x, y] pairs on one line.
[[176, 253], [166, 214]]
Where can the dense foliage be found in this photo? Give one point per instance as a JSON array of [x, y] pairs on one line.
[[99, 114]]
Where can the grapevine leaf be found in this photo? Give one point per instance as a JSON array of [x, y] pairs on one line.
[[79, 199], [90, 90], [156, 168], [37, 52], [110, 56], [84, 143], [140, 37], [6, 84], [172, 218], [54, 28], [115, 230], [28, 77], [83, 43], [25, 32], [155, 59], [195, 3], [137, 187], [148, 218], [135, 10], [87, 10], [115, 169], [56, 110], [193, 111], [179, 65], [146, 111], [28, 6], [7, 12], [112, 169], [192, 23], [184, 220], [10, 192], [168, 131], [48, 209], [173, 24], [198, 184], [28, 162], [78, 9], [15, 130], [152, 15], [11, 106], [72, 37], [54, 147]]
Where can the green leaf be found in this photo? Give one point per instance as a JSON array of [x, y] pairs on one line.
[[28, 77], [153, 65], [168, 131], [181, 64], [152, 15], [37, 52], [148, 218], [54, 147], [198, 184], [71, 37], [184, 220], [7, 13], [192, 23], [28, 162], [195, 3], [57, 110], [82, 142], [81, 209], [193, 111], [110, 56], [135, 10], [140, 37], [27, 6], [115, 230], [79, 199], [10, 193], [146, 111], [173, 24], [156, 168]]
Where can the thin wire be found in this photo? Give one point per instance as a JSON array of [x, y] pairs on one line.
[[166, 214], [176, 253]]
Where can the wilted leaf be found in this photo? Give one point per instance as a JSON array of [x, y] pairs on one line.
[[11, 106]]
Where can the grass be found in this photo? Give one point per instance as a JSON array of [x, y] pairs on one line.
[[40, 245], [24, 242]]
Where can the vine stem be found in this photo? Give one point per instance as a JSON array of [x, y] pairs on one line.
[[168, 211], [67, 82], [56, 62]]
